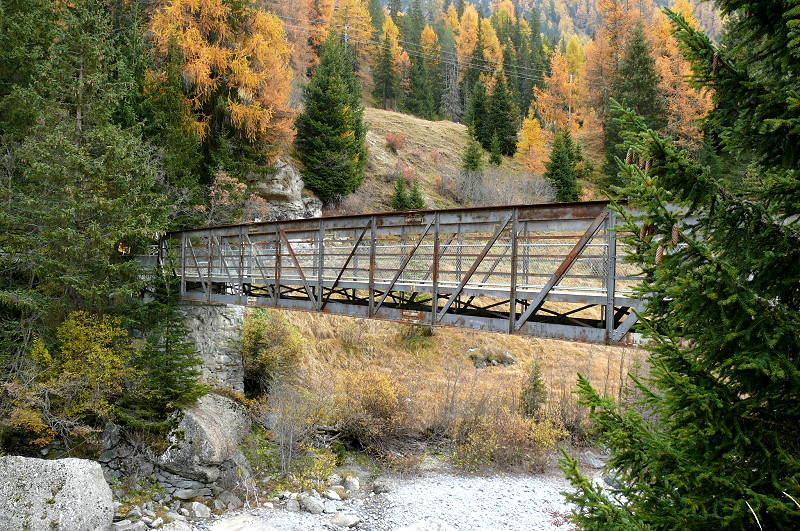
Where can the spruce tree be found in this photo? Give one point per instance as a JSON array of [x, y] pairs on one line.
[[385, 77], [415, 199], [719, 449], [494, 150], [477, 116], [502, 116], [472, 160], [636, 86], [399, 200], [330, 141], [561, 170], [419, 99]]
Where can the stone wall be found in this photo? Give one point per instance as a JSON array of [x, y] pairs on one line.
[[216, 330]]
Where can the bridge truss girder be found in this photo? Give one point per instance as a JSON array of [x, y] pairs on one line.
[[550, 271]]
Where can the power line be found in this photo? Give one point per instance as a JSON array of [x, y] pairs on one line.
[[447, 58], [522, 72]]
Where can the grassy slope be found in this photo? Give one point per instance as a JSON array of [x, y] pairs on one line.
[[432, 151]]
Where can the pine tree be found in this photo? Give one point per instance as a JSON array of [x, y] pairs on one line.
[[451, 97], [503, 116], [330, 140], [561, 168], [636, 86], [723, 311]]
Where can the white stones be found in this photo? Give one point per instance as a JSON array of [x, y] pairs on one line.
[[345, 520], [332, 495], [200, 510], [311, 504]]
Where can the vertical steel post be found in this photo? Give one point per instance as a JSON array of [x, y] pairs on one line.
[[210, 267], [372, 234], [611, 272], [242, 298], [320, 263], [512, 297], [435, 267], [276, 287]]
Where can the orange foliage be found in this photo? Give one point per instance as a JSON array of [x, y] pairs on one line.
[[467, 37], [240, 55], [557, 103], [354, 15], [531, 147]]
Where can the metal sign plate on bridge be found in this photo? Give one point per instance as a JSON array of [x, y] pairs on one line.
[[551, 271]]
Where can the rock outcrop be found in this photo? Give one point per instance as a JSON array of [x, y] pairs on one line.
[[283, 190], [204, 457], [216, 331], [61, 494]]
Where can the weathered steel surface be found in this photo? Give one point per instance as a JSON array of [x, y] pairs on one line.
[[544, 270]]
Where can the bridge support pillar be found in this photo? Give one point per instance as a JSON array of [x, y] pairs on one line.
[[216, 331]]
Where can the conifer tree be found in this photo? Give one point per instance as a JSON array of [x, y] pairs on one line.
[[472, 160], [720, 449], [477, 115], [386, 77], [399, 200], [419, 99], [635, 86], [451, 97], [494, 150], [330, 140], [415, 199], [561, 168], [502, 116]]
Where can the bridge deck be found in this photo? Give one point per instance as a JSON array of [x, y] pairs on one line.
[[542, 270]]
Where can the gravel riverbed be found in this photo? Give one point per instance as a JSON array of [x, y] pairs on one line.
[[431, 501]]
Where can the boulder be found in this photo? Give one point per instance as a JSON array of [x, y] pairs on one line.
[[283, 190], [312, 504], [207, 436], [345, 520], [65, 494], [351, 483]]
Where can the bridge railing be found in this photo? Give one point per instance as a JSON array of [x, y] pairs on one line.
[[545, 270]]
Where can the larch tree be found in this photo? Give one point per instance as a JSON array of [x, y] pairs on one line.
[[467, 37], [355, 17], [433, 53], [598, 76], [531, 145], [492, 53], [720, 259], [236, 68], [321, 14], [331, 134], [685, 105], [556, 103]]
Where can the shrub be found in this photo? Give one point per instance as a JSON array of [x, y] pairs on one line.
[[271, 348], [395, 141], [375, 415]]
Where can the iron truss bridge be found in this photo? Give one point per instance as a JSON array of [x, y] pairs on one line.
[[551, 271]]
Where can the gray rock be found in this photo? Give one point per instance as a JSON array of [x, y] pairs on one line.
[[311, 504], [345, 520], [351, 483], [34, 493], [208, 435], [188, 494], [382, 485], [172, 515], [230, 500], [334, 479], [283, 190], [293, 506], [200, 510], [330, 507], [219, 505], [184, 511], [594, 460], [158, 522], [332, 495], [134, 512]]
